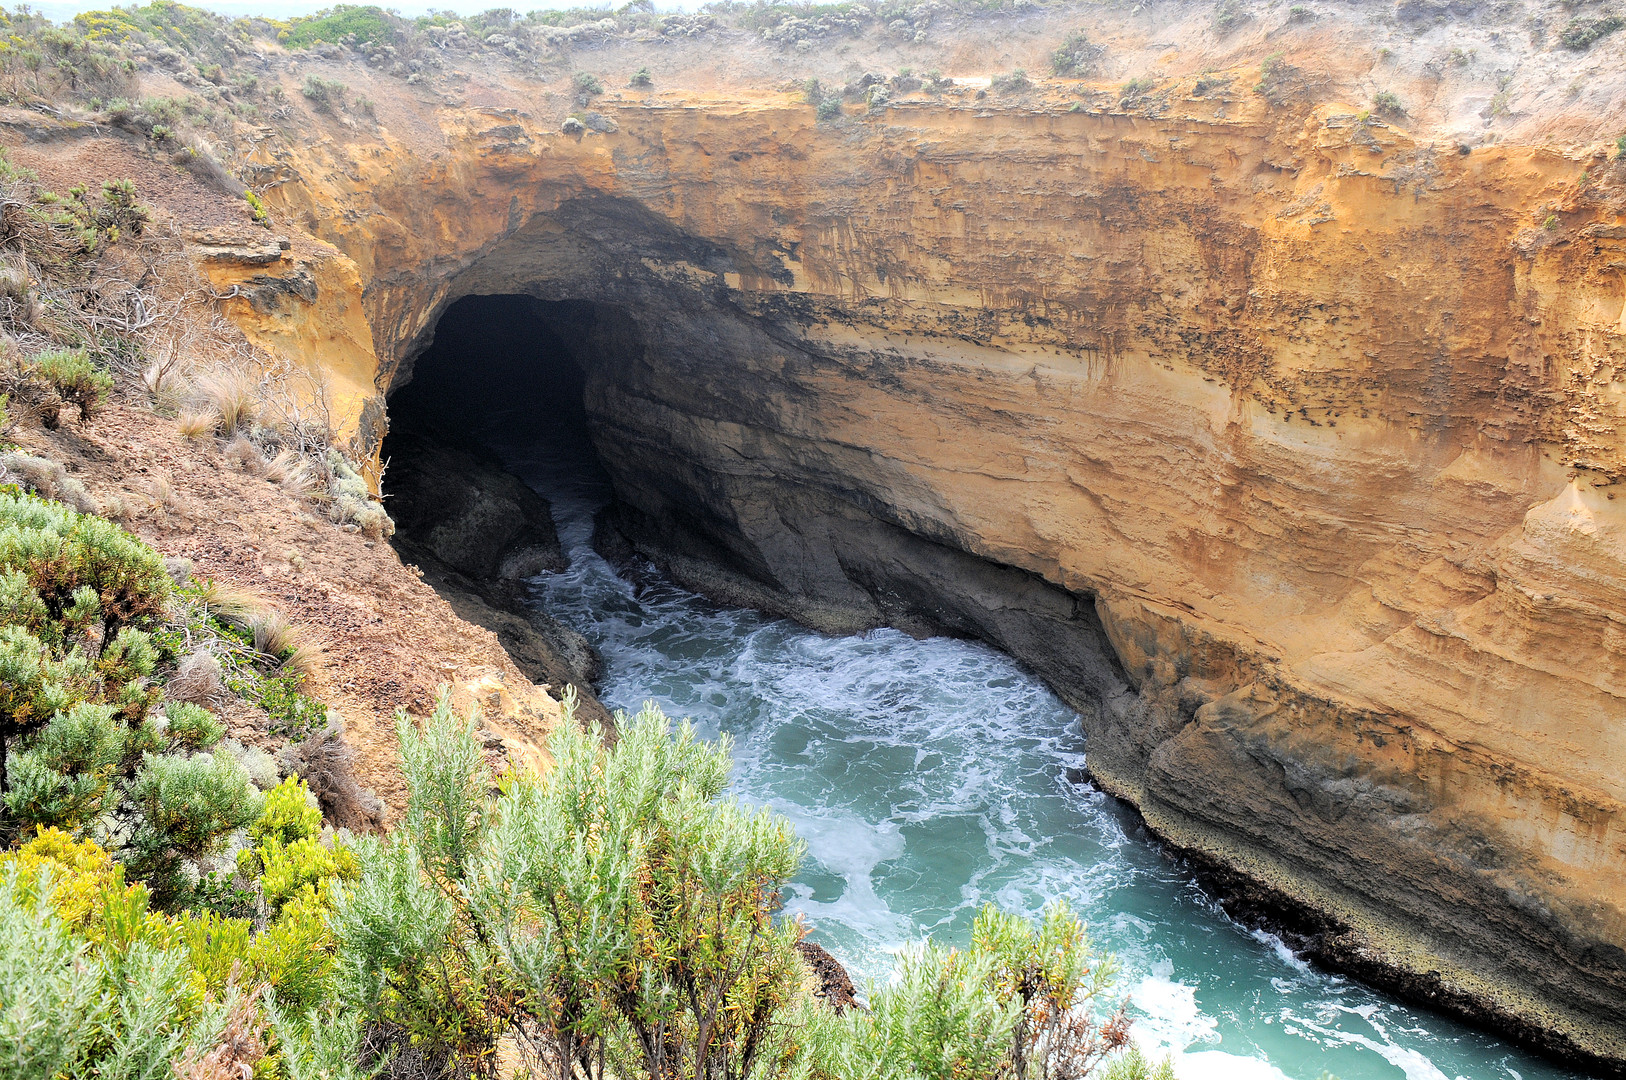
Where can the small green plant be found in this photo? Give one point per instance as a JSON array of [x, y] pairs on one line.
[[72, 374], [1551, 224], [1075, 56], [1620, 147], [1134, 88], [256, 208], [812, 91], [829, 108], [1388, 103], [588, 84], [1299, 13], [641, 79], [324, 94], [1581, 32], [159, 133]]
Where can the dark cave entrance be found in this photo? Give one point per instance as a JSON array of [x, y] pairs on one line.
[[499, 367], [490, 422]]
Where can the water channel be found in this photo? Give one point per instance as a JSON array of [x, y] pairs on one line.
[[931, 776]]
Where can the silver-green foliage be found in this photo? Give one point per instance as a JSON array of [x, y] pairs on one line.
[[1019, 1004], [624, 905], [80, 745]]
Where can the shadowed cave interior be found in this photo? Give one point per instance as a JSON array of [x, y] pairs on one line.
[[499, 369]]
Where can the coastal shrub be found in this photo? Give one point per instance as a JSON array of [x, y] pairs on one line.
[[72, 374], [325, 95], [1582, 32], [1228, 15], [619, 909], [1019, 1003], [353, 502], [1075, 56], [1013, 82], [588, 84], [78, 748], [1387, 102], [343, 23], [641, 78]]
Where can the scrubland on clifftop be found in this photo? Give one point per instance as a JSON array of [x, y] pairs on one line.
[[1250, 371]]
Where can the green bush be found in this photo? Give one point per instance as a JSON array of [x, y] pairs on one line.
[[1582, 32], [1075, 56], [1019, 1003], [72, 374], [343, 23], [1388, 102], [77, 748], [588, 83], [623, 904], [641, 78]]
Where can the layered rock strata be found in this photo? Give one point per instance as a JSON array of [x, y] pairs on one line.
[[1282, 441]]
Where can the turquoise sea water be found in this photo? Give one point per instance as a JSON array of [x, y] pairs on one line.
[[929, 777]]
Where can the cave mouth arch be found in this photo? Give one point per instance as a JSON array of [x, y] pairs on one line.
[[509, 363], [488, 421]]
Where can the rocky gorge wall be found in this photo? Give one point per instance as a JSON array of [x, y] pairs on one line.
[[1283, 441]]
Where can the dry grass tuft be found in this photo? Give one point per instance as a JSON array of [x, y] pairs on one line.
[[294, 472], [327, 764], [232, 397], [196, 680], [245, 454], [228, 601], [161, 497], [304, 659], [195, 425], [274, 635]]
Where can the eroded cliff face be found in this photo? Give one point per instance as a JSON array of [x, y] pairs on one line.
[[1282, 440]]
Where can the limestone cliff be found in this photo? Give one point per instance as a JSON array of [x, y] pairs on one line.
[[1280, 435]]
